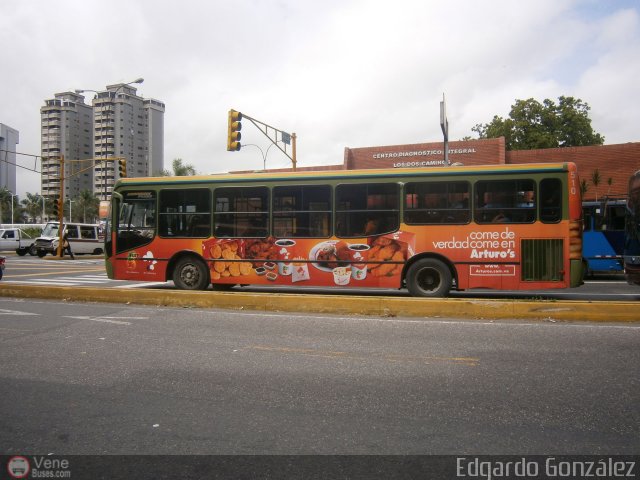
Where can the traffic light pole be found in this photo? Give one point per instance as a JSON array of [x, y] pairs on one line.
[[293, 136], [234, 135], [60, 200], [61, 207]]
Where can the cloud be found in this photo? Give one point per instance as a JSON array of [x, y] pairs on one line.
[[338, 73]]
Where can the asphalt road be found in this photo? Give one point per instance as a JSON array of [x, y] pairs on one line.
[[88, 270], [115, 379]]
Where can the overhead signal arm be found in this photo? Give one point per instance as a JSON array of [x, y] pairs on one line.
[[233, 143]]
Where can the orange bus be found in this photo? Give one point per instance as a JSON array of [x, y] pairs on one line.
[[632, 232], [429, 231]]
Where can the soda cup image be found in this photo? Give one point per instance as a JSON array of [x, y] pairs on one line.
[[359, 252], [131, 260], [285, 256], [341, 275]]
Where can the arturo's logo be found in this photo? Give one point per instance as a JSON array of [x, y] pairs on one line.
[[18, 467]]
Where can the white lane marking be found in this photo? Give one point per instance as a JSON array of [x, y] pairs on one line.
[[142, 285], [432, 320], [15, 312], [102, 319]]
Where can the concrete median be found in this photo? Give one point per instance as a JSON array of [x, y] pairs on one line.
[[480, 309]]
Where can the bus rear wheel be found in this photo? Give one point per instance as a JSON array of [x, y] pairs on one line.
[[190, 274], [429, 277]]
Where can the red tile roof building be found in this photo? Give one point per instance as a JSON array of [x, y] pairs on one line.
[[615, 163]]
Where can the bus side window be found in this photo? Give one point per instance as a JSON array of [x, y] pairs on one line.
[[505, 201], [550, 200], [302, 211], [239, 208], [358, 204]]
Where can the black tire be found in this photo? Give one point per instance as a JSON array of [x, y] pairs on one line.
[[42, 253], [33, 251], [22, 251], [191, 274], [429, 277]]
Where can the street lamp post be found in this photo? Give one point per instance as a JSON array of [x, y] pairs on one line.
[[104, 137], [12, 195], [264, 154], [70, 202]]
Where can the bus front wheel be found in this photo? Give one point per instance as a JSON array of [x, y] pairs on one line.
[[190, 274], [429, 277]]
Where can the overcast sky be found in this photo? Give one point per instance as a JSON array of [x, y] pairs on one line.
[[339, 73]]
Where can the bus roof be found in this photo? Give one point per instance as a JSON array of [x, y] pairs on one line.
[[261, 176]]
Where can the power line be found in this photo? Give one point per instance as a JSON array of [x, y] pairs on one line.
[[6, 152]]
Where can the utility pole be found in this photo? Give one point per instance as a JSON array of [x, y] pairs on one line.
[[444, 124]]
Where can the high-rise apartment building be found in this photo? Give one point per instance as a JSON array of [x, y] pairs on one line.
[[9, 138], [120, 124], [130, 127], [66, 124]]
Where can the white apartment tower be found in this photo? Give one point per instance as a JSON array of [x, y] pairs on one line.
[[118, 124], [66, 129], [126, 126]]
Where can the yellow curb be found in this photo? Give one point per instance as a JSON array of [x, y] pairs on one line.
[[342, 305]]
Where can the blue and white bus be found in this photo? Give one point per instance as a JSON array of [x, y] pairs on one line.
[[603, 236]]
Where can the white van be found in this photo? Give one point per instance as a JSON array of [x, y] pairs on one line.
[[83, 237]]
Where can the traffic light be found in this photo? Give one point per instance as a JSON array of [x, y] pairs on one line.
[[233, 132], [122, 167], [57, 206]]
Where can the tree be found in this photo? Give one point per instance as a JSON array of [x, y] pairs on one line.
[[533, 125], [86, 206], [595, 179], [180, 170], [609, 185], [33, 206], [584, 187], [5, 198]]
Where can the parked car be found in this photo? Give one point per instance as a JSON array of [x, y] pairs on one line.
[[84, 238], [18, 240]]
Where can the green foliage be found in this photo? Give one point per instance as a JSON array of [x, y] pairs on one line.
[[179, 169], [584, 187], [533, 125], [33, 232], [85, 207], [595, 179]]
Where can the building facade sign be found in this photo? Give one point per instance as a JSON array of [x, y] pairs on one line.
[[420, 153]]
